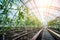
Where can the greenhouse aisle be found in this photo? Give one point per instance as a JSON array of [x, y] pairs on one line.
[[27, 19], [46, 35]]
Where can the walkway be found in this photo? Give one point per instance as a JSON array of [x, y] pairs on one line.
[[46, 35]]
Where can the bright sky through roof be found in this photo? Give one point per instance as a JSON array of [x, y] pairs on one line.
[[44, 10]]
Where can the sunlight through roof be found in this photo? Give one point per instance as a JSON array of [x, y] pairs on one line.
[[44, 10]]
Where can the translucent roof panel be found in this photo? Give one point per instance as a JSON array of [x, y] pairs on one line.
[[44, 9]]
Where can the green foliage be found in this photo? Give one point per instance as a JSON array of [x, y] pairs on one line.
[[52, 22], [55, 24], [16, 17], [21, 18]]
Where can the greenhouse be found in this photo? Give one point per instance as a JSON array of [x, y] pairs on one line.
[[29, 19]]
